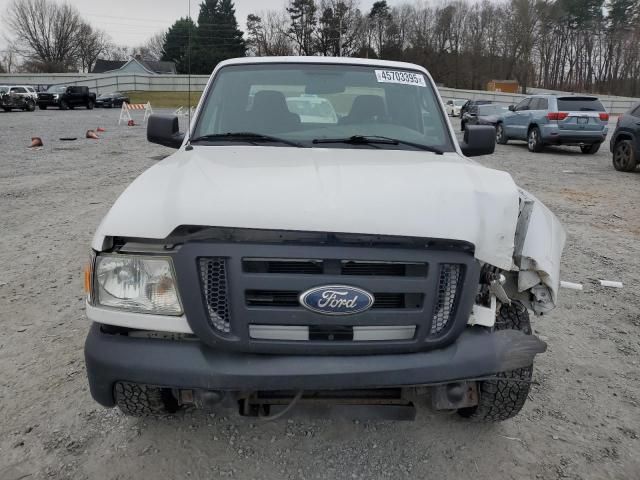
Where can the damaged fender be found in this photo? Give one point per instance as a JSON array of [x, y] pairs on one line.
[[539, 241]]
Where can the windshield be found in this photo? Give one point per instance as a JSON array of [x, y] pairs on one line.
[[459, 103], [302, 103], [56, 89]]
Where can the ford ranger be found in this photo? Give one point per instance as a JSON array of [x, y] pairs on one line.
[[276, 260]]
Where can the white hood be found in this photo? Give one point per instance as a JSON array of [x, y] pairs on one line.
[[368, 191]]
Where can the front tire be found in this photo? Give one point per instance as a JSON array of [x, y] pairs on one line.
[[590, 149], [31, 106], [64, 105], [90, 105], [534, 140], [462, 126], [137, 400], [625, 157], [504, 397], [501, 135]]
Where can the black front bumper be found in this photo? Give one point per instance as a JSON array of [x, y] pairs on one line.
[[48, 102], [193, 365]]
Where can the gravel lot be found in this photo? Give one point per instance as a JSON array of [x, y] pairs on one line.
[[582, 419]]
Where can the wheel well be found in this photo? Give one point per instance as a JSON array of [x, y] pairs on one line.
[[622, 136], [532, 126]]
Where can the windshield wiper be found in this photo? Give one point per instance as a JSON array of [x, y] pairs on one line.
[[247, 136], [376, 139]]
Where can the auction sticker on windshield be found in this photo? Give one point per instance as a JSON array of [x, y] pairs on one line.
[[404, 78]]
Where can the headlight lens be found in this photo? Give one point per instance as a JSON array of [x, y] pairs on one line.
[[136, 283]]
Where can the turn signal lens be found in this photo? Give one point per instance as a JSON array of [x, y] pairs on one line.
[[87, 279]]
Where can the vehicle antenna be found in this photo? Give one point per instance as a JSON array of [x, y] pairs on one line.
[[189, 147]]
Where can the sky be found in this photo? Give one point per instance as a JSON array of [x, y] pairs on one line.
[[131, 22]]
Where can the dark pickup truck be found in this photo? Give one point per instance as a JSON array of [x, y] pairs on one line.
[[66, 98]]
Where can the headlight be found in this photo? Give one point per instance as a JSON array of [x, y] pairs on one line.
[[55, 95], [136, 283]]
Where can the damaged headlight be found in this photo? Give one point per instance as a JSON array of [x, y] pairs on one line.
[[137, 283]]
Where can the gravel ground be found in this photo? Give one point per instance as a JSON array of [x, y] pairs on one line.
[[582, 419]]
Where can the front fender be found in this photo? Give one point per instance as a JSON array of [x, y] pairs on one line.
[[539, 241]]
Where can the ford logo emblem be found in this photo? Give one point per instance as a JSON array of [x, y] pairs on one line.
[[336, 300]]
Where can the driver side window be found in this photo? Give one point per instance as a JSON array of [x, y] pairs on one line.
[[523, 105]]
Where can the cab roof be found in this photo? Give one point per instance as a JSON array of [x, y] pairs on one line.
[[323, 60]]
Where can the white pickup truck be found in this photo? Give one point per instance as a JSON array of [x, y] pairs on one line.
[[274, 260]]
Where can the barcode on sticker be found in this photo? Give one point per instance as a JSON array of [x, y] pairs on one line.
[[404, 78]]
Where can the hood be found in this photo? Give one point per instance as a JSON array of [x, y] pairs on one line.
[[367, 191]]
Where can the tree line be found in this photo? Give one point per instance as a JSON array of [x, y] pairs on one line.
[[569, 45], [572, 45]]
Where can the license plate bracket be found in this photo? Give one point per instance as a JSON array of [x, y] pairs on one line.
[[583, 120]]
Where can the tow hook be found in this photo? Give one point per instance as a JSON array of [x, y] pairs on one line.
[[452, 396]]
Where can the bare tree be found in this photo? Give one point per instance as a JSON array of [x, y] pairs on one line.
[[8, 60], [91, 44], [45, 32], [153, 48]]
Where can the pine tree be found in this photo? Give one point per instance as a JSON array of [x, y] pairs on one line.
[[176, 44], [218, 37]]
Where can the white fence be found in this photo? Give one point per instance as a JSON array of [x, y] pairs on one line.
[[180, 83], [109, 83]]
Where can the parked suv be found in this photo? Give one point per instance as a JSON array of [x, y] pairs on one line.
[[555, 120], [66, 98], [16, 97], [272, 260], [625, 141]]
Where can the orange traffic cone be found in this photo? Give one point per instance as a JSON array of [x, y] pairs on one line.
[[92, 134], [36, 142]]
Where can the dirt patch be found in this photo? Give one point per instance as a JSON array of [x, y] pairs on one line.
[[581, 420]]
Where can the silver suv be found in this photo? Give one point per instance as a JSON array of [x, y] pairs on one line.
[[555, 120]]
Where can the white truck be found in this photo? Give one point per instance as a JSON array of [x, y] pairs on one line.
[[274, 260]]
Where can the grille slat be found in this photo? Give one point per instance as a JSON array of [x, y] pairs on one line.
[[343, 267], [289, 299]]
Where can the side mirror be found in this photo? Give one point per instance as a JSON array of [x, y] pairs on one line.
[[478, 140], [164, 130], [512, 108]]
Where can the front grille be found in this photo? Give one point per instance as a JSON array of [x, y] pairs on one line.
[[213, 273], [289, 299], [244, 296], [448, 283]]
